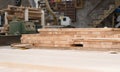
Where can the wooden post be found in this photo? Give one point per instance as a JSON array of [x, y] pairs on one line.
[[113, 21], [6, 20], [43, 18], [26, 14], [0, 20]]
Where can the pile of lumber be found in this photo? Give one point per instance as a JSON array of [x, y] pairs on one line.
[[75, 38], [19, 12]]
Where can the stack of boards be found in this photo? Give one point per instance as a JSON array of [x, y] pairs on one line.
[[19, 12], [75, 38]]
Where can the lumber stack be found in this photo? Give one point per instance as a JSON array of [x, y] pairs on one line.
[[76, 38], [19, 12]]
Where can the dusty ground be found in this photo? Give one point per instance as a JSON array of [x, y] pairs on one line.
[[42, 60]]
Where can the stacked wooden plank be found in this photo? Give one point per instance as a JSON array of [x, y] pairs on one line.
[[80, 38], [19, 12], [39, 40]]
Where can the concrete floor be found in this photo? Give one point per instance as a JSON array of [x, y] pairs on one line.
[[44, 60]]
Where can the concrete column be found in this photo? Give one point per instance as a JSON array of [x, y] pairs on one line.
[[36, 2], [32, 3]]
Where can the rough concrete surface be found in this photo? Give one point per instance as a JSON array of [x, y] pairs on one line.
[[45, 60], [91, 11]]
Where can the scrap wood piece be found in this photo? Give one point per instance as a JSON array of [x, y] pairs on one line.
[[113, 52], [21, 46]]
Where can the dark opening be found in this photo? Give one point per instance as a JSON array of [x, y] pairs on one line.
[[2, 19], [18, 2], [77, 45], [64, 19]]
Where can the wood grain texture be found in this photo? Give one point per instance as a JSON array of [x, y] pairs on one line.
[[92, 38]]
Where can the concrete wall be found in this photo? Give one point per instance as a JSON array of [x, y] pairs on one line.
[[83, 19], [91, 10]]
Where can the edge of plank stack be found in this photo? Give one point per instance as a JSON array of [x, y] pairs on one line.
[[75, 38]]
